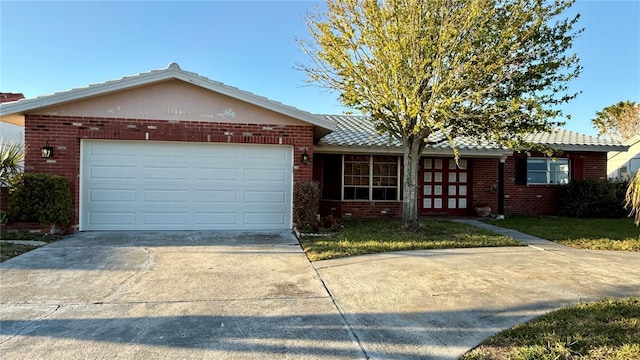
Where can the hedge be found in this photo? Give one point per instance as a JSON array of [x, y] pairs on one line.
[[44, 198]]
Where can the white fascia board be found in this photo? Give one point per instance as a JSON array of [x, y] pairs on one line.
[[89, 91], [588, 148]]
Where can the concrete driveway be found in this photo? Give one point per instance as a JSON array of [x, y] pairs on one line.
[[169, 295], [240, 295]]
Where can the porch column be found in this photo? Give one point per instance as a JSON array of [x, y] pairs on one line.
[[500, 214]]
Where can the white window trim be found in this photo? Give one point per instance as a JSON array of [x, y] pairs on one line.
[[548, 162], [370, 199]]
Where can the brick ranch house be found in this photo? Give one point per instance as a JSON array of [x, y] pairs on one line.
[[169, 149]]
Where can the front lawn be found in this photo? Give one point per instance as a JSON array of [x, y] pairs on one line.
[[609, 329], [594, 234], [9, 250], [377, 236]]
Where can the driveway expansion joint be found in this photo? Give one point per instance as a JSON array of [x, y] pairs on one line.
[[353, 333]]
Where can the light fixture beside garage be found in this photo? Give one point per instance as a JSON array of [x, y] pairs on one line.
[[305, 157], [46, 151]]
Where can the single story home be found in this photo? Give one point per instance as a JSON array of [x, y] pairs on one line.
[[622, 165], [169, 149]]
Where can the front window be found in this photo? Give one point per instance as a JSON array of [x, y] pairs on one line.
[[547, 171], [356, 177], [371, 177]]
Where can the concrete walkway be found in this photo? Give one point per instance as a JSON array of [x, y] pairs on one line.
[[533, 241]]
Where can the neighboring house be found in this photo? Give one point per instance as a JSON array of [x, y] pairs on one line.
[[11, 127], [169, 149], [11, 132], [621, 165]]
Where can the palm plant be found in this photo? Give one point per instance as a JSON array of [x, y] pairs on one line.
[[632, 198], [11, 158]]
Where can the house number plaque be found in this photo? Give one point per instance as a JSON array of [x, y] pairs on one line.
[[177, 112]]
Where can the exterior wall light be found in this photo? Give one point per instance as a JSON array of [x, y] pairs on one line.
[[305, 157], [46, 151]]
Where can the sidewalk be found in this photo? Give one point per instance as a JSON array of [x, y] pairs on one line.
[[530, 240]]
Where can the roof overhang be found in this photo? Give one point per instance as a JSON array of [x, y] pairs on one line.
[[588, 148], [173, 71], [393, 150]]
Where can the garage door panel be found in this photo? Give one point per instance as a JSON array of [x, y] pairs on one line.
[[265, 175], [265, 197], [112, 195], [267, 154], [103, 220], [113, 172], [260, 219], [106, 149], [215, 219], [165, 173], [219, 154], [213, 174], [216, 197], [168, 218], [136, 185], [166, 196]]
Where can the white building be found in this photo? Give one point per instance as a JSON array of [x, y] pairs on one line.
[[621, 165]]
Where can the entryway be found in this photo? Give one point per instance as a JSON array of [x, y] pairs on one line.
[[445, 186]]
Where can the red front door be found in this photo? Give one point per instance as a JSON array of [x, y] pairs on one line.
[[445, 186]]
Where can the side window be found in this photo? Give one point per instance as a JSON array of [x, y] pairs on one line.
[[634, 165], [542, 171]]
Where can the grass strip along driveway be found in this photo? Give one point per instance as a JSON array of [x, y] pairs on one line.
[[593, 234], [369, 237], [9, 250], [609, 329]]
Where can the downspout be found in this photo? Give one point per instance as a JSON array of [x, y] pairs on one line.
[[500, 214]]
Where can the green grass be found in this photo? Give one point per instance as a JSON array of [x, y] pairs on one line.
[[367, 237], [594, 234], [8, 250], [609, 329], [25, 235]]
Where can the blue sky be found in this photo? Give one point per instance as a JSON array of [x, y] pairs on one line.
[[50, 46]]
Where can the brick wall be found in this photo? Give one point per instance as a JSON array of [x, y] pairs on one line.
[[519, 199], [361, 209], [542, 199], [64, 135], [484, 183]]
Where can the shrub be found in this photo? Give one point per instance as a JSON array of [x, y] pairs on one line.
[[592, 199], [306, 202], [44, 198]]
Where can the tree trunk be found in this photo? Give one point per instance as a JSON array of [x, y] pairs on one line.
[[412, 150]]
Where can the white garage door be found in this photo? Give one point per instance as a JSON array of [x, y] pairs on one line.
[[136, 185]]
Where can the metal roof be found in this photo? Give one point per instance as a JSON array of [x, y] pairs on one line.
[[173, 71], [358, 133]]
